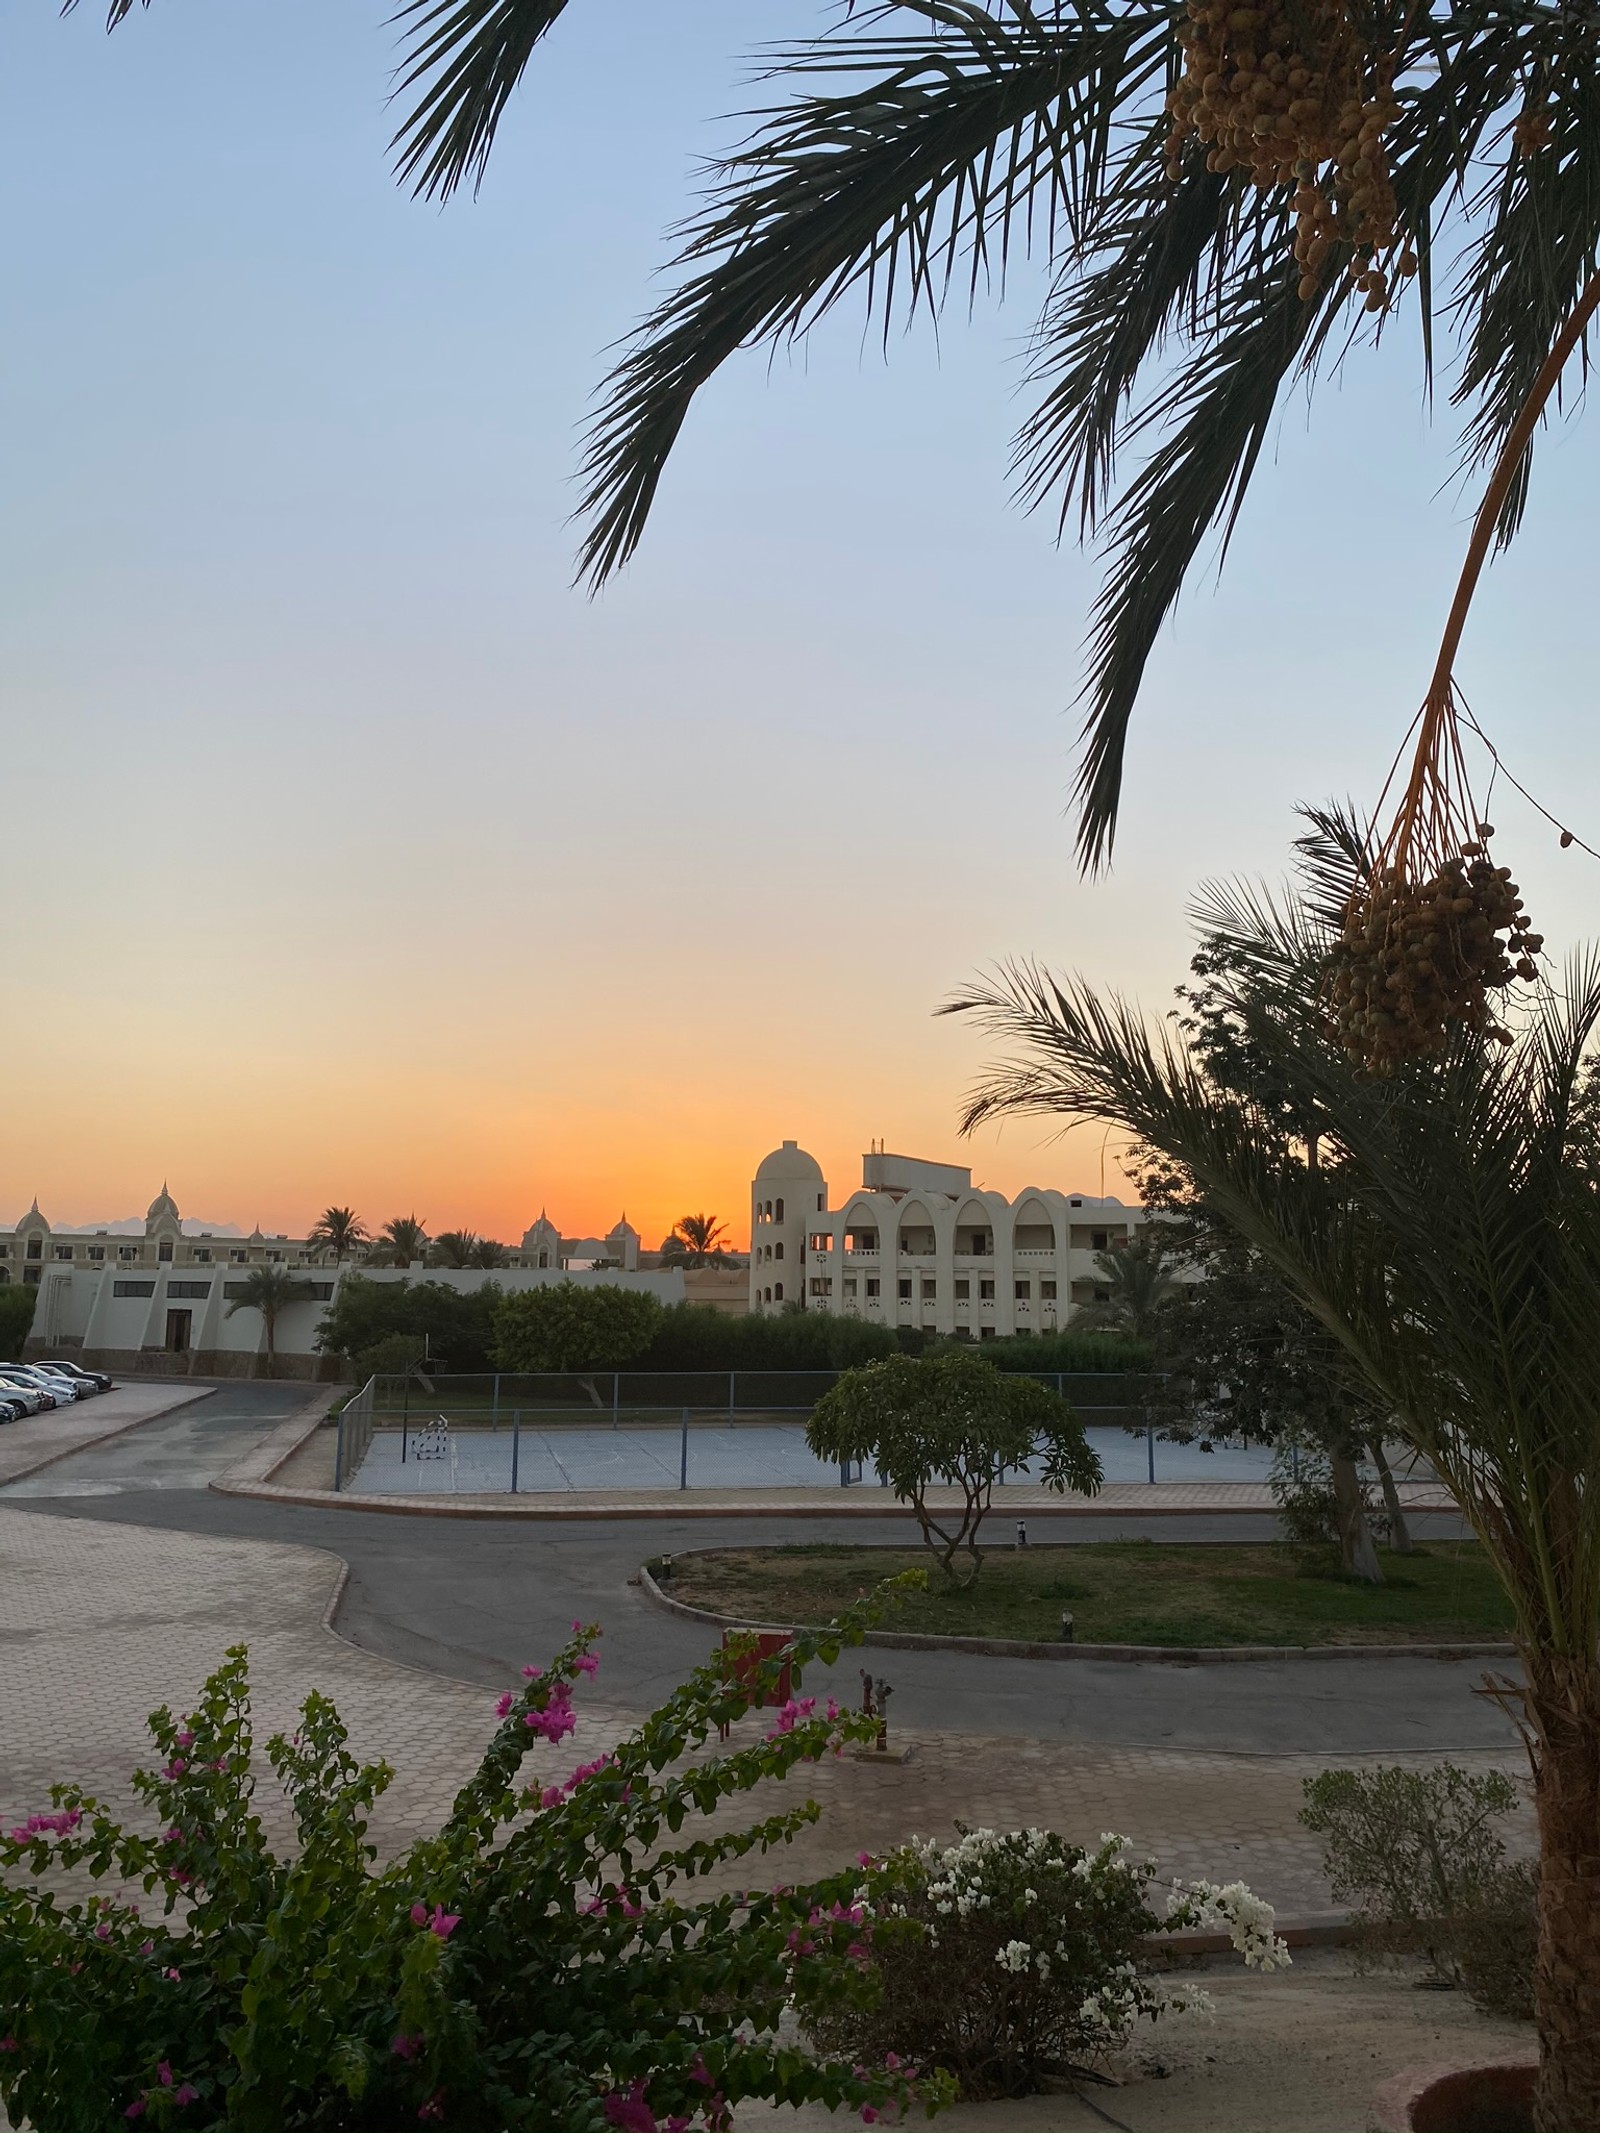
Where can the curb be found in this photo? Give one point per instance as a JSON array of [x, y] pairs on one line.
[[250, 1475], [1151, 1654]]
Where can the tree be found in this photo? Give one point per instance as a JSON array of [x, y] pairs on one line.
[[1452, 1249], [455, 1248], [269, 1290], [17, 1300], [456, 1326], [698, 1240], [340, 1230], [565, 1327], [402, 1241], [950, 1419], [1219, 202], [1140, 1282]]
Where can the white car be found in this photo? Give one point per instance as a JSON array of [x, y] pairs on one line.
[[46, 1380], [33, 1397], [87, 1380]]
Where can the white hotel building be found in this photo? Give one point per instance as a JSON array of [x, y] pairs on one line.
[[919, 1246]]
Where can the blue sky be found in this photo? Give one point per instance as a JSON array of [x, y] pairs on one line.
[[354, 855]]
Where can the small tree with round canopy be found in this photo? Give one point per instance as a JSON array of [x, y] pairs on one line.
[[956, 1421]]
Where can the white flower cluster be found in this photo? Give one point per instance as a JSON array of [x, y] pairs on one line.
[[1235, 1910], [1015, 1956]]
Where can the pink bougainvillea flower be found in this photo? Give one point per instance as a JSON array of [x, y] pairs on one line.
[[577, 1629], [587, 1663], [135, 2109], [184, 2093], [406, 2047], [185, 1739], [533, 1673], [790, 1715], [869, 2117], [552, 1796], [172, 1836], [503, 1704], [631, 2112], [419, 1914], [9, 2044], [102, 1931], [700, 2072], [443, 1922], [175, 1768]]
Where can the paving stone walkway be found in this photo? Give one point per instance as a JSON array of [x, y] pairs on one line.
[[101, 1622]]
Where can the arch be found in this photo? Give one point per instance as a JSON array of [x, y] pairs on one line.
[[917, 1228], [1036, 1226], [777, 1210], [777, 1292], [974, 1222]]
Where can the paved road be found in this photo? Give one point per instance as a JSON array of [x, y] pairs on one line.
[[474, 1599]]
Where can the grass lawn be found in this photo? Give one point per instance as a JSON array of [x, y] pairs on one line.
[[1124, 1592]]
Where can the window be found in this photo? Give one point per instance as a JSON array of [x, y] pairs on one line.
[[321, 1291], [822, 1285], [986, 1333], [164, 1253], [1022, 1290], [769, 1296], [849, 1285], [872, 1284], [243, 1258], [986, 1292], [1099, 1240], [63, 1251], [35, 1247], [963, 1291], [777, 1210], [97, 1252], [822, 1203], [1047, 1292], [905, 1292], [930, 1290], [777, 1251], [189, 1288], [30, 1274], [777, 1292], [127, 1253], [275, 1257], [133, 1288], [202, 1258], [1102, 1296]]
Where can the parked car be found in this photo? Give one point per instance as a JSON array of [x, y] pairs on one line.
[[49, 1380], [34, 1397], [11, 1409], [92, 1380]]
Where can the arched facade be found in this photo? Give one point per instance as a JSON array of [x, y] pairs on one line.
[[955, 1261]]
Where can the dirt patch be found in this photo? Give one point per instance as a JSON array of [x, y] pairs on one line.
[[1298, 2052]]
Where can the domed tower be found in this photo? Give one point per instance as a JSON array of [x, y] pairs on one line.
[[789, 1190], [541, 1244], [163, 1225]]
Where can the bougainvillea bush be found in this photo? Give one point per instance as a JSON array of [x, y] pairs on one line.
[[1030, 1958], [540, 1963]]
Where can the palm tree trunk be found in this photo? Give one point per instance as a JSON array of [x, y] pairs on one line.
[[1357, 1555], [1563, 1704], [1399, 1532], [270, 1320]]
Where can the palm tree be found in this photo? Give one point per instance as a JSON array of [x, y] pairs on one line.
[[1138, 1282], [1206, 241], [696, 1240], [1447, 1242], [401, 1240], [339, 1230], [455, 1248], [489, 1253], [269, 1290]]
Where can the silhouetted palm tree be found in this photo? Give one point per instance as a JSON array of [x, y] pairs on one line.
[[339, 1230], [1449, 1244], [269, 1290], [401, 1240], [696, 1240], [1138, 1280]]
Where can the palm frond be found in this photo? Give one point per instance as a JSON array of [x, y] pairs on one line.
[[989, 131], [464, 57]]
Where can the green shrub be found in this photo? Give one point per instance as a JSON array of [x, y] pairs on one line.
[[16, 1318], [694, 1337], [530, 1967], [566, 1327], [1415, 1855], [1070, 1353], [1005, 1959], [390, 1357]]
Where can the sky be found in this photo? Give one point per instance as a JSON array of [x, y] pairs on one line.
[[353, 856]]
